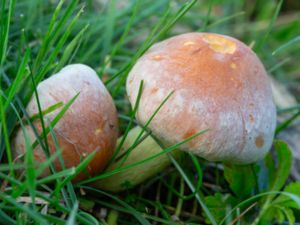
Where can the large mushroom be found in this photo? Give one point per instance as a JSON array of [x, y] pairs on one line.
[[219, 84], [90, 124]]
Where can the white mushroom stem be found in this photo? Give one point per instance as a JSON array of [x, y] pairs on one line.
[[129, 178]]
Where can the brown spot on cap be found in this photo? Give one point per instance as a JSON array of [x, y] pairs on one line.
[[259, 141], [154, 90], [189, 133], [251, 118]]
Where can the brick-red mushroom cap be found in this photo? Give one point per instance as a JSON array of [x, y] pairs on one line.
[[90, 124], [219, 84]]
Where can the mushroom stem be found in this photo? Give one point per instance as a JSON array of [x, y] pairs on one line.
[[131, 177]]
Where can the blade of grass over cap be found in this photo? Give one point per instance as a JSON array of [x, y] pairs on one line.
[[41, 117], [57, 118], [165, 151], [145, 126], [69, 194], [129, 126], [82, 165]]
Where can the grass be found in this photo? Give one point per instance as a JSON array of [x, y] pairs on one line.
[[38, 38]]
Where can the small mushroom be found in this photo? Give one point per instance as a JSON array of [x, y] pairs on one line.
[[219, 84], [90, 124]]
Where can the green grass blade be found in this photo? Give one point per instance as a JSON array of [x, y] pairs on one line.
[[4, 31], [293, 197], [132, 116], [5, 219], [165, 151], [193, 189], [225, 19], [53, 31], [30, 168], [57, 118], [10, 179], [41, 117], [71, 48], [69, 194], [262, 41], [286, 45], [63, 209], [58, 47], [150, 40], [29, 211], [17, 81], [145, 127], [108, 28], [135, 213], [207, 17], [287, 122], [46, 111], [278, 65], [57, 175], [4, 131], [198, 185], [72, 218], [78, 169]]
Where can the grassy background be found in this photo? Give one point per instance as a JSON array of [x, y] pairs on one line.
[[38, 38]]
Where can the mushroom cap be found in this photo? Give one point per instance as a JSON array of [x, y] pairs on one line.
[[219, 84], [90, 124]]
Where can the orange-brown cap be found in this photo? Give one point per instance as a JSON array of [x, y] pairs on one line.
[[219, 84], [90, 124]]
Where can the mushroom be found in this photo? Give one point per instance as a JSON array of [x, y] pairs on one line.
[[130, 177], [219, 84], [90, 124]]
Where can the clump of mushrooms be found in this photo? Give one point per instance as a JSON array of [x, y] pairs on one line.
[[219, 84], [90, 124]]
